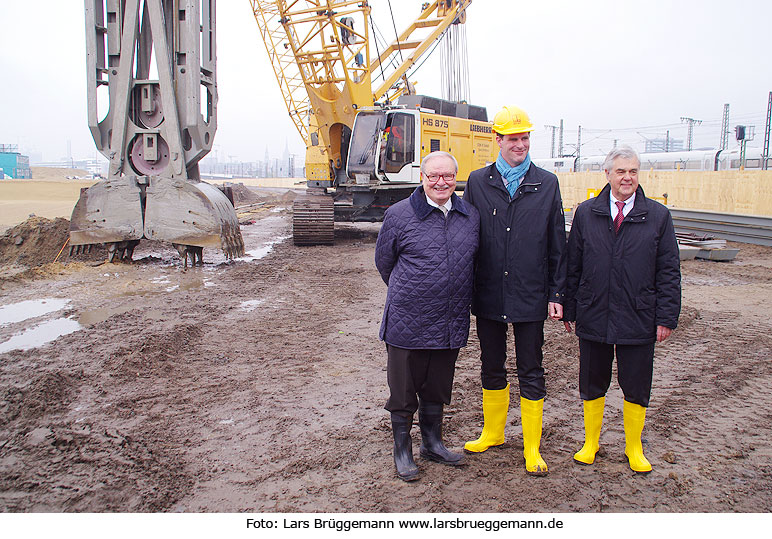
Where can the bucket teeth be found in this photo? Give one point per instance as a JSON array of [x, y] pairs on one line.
[[232, 243], [80, 249]]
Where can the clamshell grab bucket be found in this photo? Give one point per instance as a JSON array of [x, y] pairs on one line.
[[178, 211], [191, 213]]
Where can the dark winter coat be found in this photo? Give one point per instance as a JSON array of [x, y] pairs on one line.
[[521, 263], [622, 286], [427, 261]]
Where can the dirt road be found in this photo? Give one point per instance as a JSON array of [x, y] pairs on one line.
[[258, 386]]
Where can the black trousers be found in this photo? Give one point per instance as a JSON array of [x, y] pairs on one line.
[[529, 339], [414, 374], [635, 367]]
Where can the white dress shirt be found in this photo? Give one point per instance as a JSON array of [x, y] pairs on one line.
[[445, 208], [628, 205]]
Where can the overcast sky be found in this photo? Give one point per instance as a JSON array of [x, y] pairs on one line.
[[624, 70]]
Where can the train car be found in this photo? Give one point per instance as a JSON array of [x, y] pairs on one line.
[[592, 163], [691, 160], [730, 159], [556, 164], [686, 160]]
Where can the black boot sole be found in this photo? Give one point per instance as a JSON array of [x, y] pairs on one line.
[[437, 458], [408, 478]]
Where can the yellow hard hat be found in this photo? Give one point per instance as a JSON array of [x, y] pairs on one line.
[[510, 120]]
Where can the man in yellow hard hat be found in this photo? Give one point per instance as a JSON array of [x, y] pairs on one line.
[[520, 277]]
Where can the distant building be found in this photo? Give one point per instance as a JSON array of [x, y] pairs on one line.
[[271, 167], [664, 145], [96, 166], [13, 164]]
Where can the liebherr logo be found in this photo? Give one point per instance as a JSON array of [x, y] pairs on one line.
[[480, 128]]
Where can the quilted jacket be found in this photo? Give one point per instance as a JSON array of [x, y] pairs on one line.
[[427, 261], [521, 265], [620, 287]]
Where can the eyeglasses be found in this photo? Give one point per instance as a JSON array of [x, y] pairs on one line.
[[434, 178]]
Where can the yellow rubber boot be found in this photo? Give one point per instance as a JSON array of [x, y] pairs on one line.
[[495, 407], [634, 418], [531, 414], [593, 420]]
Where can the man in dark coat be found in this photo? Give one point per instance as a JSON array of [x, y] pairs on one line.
[[425, 253], [624, 293], [519, 279]]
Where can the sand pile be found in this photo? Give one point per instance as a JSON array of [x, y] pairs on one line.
[[38, 241], [243, 195], [288, 197]]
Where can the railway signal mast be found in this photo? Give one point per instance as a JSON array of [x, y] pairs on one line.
[[553, 129], [743, 133]]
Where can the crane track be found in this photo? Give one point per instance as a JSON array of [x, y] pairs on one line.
[[729, 226], [313, 219]]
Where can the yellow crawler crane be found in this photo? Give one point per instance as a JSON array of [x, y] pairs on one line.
[[364, 142], [155, 129]]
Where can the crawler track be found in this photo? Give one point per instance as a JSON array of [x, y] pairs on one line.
[[313, 219]]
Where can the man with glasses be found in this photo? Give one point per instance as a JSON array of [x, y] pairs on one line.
[[425, 253], [519, 280]]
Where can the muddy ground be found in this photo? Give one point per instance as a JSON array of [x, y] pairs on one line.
[[258, 386]]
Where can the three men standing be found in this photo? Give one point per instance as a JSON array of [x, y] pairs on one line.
[[519, 279], [624, 292], [503, 250], [425, 253]]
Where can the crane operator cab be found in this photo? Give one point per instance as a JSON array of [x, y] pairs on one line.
[[387, 144], [384, 147]]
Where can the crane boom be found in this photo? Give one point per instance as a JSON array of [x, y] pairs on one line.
[[445, 16], [359, 143], [320, 53]]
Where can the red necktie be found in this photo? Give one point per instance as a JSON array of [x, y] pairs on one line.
[[619, 217]]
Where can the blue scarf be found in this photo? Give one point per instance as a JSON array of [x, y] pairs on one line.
[[512, 175]]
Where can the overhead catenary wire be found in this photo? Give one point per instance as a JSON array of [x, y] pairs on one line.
[[705, 137]]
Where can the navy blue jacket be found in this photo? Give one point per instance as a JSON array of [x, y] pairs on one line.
[[620, 287], [521, 263], [427, 261]]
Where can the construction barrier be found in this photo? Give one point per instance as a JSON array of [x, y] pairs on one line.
[[726, 191]]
